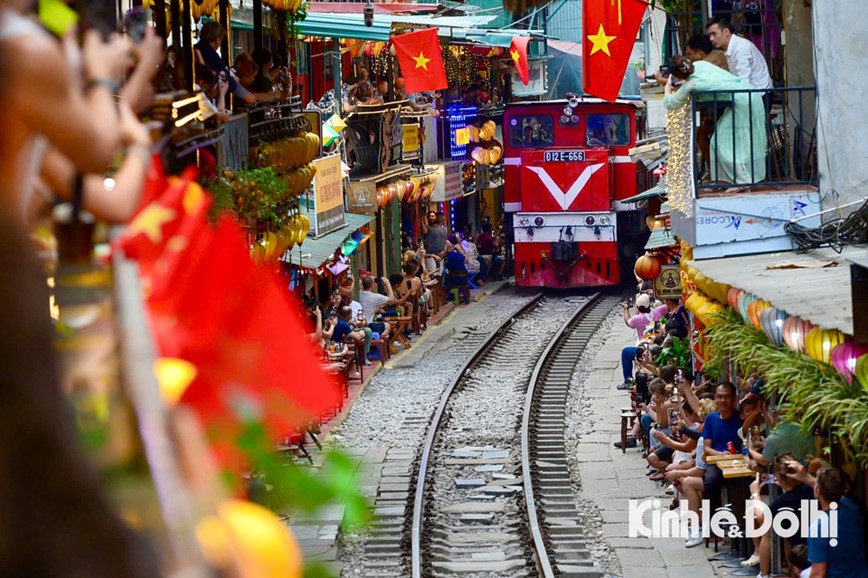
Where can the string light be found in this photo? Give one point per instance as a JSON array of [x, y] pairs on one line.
[[679, 169]]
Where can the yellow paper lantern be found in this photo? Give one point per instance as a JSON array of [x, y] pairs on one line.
[[820, 342]]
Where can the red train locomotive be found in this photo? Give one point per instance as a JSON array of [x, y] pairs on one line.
[[567, 166]]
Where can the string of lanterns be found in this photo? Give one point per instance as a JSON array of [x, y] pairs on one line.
[[679, 169]]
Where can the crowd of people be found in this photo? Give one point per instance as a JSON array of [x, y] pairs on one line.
[[347, 327], [683, 421]]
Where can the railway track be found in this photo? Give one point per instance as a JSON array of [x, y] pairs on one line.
[[497, 500]]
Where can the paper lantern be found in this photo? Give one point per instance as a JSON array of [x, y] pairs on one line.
[[845, 356], [743, 301], [795, 332], [862, 370], [772, 321], [820, 342], [400, 189], [647, 267], [754, 308], [732, 297]]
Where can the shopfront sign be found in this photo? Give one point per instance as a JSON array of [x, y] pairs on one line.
[[448, 181], [667, 285], [410, 141], [362, 197], [328, 195]]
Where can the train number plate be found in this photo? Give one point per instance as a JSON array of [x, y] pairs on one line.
[[564, 156]]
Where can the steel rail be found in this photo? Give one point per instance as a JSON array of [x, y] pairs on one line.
[[530, 500], [418, 502]]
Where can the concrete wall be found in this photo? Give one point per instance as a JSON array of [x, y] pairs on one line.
[[840, 46], [799, 71]]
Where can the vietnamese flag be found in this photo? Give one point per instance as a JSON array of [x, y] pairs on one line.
[[420, 59], [610, 28], [518, 52]]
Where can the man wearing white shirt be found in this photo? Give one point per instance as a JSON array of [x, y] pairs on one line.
[[744, 58]]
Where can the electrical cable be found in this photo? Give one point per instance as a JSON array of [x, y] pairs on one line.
[[852, 230]]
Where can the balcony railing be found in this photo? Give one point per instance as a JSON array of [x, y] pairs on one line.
[[754, 138]]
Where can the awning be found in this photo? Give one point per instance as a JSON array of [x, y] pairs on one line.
[[649, 194], [331, 25], [314, 252], [661, 237], [496, 37], [804, 285]]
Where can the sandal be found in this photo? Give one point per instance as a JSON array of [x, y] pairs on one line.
[[659, 476]]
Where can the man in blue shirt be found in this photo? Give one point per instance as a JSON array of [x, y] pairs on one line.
[[721, 428]]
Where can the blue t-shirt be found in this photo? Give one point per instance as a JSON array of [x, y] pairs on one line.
[[342, 329], [721, 431], [847, 558], [455, 261]]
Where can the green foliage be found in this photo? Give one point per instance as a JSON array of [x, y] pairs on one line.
[[291, 488], [258, 196], [677, 354], [294, 18], [810, 393]]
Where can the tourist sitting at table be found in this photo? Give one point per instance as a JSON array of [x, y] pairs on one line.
[[489, 250], [720, 432], [794, 491], [344, 330], [471, 254], [689, 478], [681, 439], [405, 294], [845, 556], [645, 316], [455, 260], [360, 323], [375, 304]]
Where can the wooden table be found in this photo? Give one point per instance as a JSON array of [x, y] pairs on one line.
[[732, 465], [398, 326]]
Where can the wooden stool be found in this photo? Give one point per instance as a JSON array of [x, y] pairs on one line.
[[628, 418], [382, 348]]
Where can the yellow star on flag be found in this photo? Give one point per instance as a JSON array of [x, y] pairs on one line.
[[601, 41], [516, 55], [151, 221], [421, 61]]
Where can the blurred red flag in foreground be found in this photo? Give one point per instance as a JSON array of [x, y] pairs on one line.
[[234, 320]]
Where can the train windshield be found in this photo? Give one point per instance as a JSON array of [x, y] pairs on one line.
[[606, 130], [536, 130]]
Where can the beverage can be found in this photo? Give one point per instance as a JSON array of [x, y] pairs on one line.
[[730, 447], [744, 451]]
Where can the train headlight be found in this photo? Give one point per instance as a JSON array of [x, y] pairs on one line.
[[539, 222], [605, 220], [524, 221], [590, 220]]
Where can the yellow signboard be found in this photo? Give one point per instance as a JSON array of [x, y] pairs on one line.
[[410, 140], [462, 136], [328, 194]]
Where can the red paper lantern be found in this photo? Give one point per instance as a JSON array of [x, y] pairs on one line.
[[647, 267]]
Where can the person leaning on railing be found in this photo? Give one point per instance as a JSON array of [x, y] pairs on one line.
[[738, 145]]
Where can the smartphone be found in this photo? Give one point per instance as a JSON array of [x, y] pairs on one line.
[[664, 71], [135, 23]]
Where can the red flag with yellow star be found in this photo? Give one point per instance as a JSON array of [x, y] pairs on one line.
[[420, 59], [610, 28], [518, 53]]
